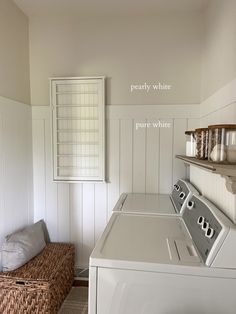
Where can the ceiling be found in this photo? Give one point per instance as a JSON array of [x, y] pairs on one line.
[[84, 8]]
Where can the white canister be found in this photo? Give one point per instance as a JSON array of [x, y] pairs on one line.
[[231, 146], [222, 143], [190, 143]]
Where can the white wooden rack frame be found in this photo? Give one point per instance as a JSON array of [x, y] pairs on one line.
[[78, 128]]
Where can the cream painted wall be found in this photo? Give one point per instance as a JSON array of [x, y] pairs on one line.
[[16, 169], [165, 48], [14, 53], [219, 61]]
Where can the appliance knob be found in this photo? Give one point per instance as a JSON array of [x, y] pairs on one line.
[[200, 220], [177, 187], [190, 205], [209, 233], [182, 195], [205, 226]]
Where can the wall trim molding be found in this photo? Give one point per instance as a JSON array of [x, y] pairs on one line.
[[11, 102], [153, 111], [40, 112], [136, 112]]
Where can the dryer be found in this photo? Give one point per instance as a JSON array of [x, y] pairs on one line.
[[164, 204], [155, 264]]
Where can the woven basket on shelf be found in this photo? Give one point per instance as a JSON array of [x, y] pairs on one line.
[[41, 285]]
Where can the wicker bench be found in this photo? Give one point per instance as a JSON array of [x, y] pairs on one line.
[[41, 285]]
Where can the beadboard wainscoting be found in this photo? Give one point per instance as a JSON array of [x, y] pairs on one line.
[[139, 158], [16, 184], [212, 186], [217, 109]]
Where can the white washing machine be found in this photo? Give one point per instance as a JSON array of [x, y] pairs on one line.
[[150, 264], [164, 204]]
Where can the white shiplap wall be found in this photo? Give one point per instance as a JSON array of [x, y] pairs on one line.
[[219, 108], [16, 184], [137, 160]]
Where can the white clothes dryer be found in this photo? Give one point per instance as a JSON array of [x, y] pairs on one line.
[[164, 204], [155, 264]]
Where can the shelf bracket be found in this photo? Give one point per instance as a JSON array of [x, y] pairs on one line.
[[226, 171], [230, 183]]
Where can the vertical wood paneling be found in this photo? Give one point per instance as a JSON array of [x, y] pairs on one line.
[[16, 188], [213, 186], [139, 157], [29, 167], [63, 212], [76, 223], [2, 175], [22, 174], [100, 212], [152, 157], [139, 160], [144, 155], [51, 187], [216, 192], [113, 129], [88, 220], [166, 159], [126, 155], [39, 170], [179, 168]]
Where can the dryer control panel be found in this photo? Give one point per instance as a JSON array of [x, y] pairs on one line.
[[210, 229], [181, 194]]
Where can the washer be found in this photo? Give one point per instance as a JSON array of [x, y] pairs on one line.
[[150, 264], [165, 204]]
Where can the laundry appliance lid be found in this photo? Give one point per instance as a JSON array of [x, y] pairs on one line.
[[145, 239], [150, 203]]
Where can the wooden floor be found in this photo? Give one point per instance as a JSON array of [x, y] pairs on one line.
[[80, 283], [76, 302]]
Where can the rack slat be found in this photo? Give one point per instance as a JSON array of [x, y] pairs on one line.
[[76, 93], [78, 143], [76, 155], [76, 131], [80, 119]]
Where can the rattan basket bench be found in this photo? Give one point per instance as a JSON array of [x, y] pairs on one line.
[[41, 285]]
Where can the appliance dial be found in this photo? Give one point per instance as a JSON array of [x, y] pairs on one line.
[[205, 225], [182, 195], [177, 187], [200, 220], [209, 233], [190, 205]]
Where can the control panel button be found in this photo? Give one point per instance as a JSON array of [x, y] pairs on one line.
[[205, 225], [200, 220], [209, 233], [190, 205], [177, 187], [182, 195]]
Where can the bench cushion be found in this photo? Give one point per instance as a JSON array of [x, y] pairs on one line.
[[19, 247]]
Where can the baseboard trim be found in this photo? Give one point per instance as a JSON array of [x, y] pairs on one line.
[[80, 283]]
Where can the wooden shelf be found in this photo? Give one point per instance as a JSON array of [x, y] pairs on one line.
[[228, 171]]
